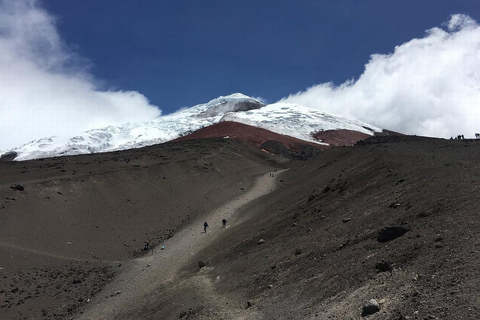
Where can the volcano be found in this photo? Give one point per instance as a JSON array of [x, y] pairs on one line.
[[306, 126]]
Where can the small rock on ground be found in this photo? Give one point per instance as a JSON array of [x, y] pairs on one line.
[[371, 307]]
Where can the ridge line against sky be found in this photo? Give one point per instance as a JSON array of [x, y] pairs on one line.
[[67, 67]]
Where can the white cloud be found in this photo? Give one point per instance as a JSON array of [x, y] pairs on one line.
[[45, 88], [428, 86]]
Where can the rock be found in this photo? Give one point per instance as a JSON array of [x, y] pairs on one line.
[[395, 205], [260, 241], [371, 307], [202, 264], [390, 233], [18, 187], [346, 220], [249, 303], [298, 252], [270, 286], [8, 156], [384, 266]]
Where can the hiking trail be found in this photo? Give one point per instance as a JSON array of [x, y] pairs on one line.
[[145, 275]]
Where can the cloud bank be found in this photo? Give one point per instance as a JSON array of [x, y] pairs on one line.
[[428, 86], [45, 88]]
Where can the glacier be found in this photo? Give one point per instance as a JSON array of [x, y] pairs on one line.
[[283, 118]]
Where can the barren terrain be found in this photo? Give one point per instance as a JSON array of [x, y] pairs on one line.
[[394, 220]]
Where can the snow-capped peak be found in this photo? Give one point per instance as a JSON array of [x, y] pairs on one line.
[[288, 119], [231, 103]]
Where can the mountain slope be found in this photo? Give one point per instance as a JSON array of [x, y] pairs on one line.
[[286, 119], [287, 146], [325, 252], [80, 219], [298, 121], [323, 256]]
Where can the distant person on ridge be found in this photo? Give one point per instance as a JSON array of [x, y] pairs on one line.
[[224, 223], [205, 226]]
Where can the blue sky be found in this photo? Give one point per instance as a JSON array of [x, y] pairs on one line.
[[180, 53], [69, 66]]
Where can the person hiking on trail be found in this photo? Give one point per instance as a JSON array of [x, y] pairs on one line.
[[224, 223], [205, 226], [147, 246]]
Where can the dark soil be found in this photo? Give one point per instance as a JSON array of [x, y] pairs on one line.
[[331, 210], [70, 231], [79, 218]]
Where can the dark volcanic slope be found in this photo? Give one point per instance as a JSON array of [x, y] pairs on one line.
[[63, 236], [327, 250], [340, 137], [395, 220], [249, 134]]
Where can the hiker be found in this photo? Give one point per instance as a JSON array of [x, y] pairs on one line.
[[147, 246], [224, 223], [205, 226]]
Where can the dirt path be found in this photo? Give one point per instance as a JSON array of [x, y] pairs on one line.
[[147, 274], [41, 253]]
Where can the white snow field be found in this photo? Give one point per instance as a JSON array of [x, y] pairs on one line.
[[288, 119]]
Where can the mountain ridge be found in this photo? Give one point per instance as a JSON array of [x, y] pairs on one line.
[[286, 119]]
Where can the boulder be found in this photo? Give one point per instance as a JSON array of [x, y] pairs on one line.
[[384, 266], [395, 205], [392, 232], [8, 156], [18, 187], [371, 307]]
